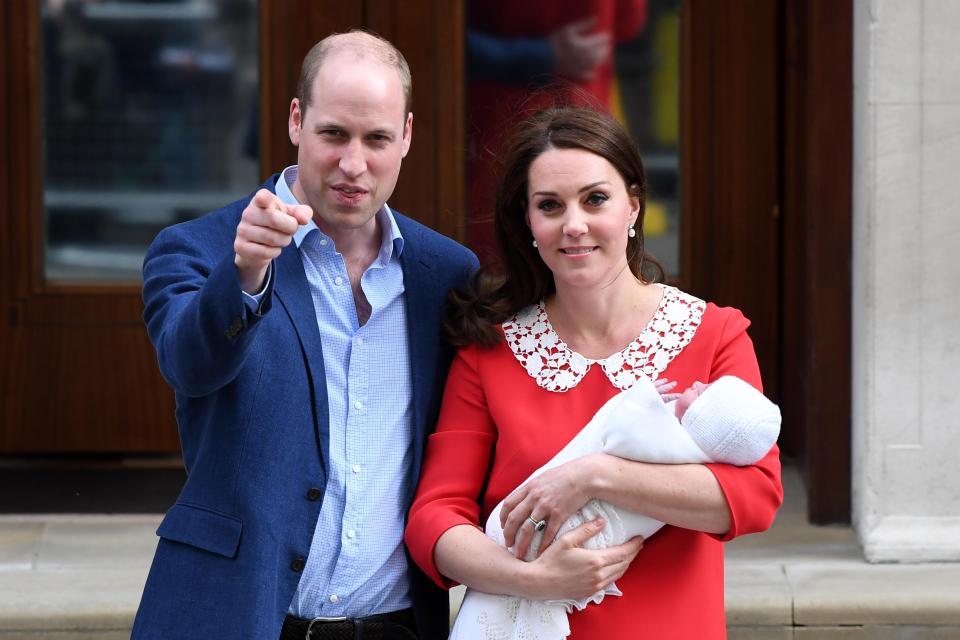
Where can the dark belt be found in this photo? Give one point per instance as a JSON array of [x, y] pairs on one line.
[[396, 625]]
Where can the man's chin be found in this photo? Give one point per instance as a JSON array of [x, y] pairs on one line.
[[350, 218]]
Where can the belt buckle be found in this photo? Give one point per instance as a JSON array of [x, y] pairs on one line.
[[323, 619]]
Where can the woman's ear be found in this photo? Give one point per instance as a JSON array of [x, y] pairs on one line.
[[634, 192]]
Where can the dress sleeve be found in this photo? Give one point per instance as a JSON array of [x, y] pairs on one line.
[[455, 464], [753, 492]]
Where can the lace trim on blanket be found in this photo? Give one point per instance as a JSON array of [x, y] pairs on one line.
[[556, 367]]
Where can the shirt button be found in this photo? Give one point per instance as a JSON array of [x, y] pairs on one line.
[[333, 598], [351, 534], [358, 405], [323, 242], [360, 340], [338, 281], [313, 494], [356, 468], [298, 565]]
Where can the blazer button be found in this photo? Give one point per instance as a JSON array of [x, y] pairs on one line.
[[298, 565], [235, 327], [314, 494]]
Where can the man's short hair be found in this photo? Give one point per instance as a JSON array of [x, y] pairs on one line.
[[363, 44]]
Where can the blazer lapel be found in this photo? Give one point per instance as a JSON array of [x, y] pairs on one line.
[[423, 322], [293, 292]]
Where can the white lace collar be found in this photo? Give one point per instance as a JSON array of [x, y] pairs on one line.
[[556, 367]]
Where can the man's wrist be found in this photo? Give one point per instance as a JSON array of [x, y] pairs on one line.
[[253, 280]]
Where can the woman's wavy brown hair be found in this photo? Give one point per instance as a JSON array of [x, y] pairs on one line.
[[473, 316]]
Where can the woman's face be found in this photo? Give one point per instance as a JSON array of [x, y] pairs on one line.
[[579, 211]]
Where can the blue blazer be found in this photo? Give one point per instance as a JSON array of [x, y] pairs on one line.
[[252, 413]]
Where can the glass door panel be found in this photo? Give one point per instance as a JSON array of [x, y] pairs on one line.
[[149, 118]]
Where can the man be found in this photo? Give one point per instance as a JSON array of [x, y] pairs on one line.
[[300, 331]]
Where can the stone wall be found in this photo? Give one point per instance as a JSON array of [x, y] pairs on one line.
[[906, 279]]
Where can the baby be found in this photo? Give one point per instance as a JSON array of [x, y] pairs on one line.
[[726, 421]]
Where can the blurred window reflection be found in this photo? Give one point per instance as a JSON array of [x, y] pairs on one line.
[[619, 55], [149, 119]]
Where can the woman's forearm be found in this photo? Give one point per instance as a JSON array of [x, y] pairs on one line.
[[464, 554], [683, 495]]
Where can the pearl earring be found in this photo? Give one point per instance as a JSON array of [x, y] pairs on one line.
[[632, 232], [535, 245]]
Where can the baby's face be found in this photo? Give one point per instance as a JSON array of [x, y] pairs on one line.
[[687, 397]]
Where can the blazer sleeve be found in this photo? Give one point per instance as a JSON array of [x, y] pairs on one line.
[[753, 492], [194, 309], [455, 465]]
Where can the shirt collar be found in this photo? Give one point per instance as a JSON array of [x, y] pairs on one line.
[[390, 242]]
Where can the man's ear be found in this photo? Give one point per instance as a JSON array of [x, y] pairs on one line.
[[407, 135], [295, 122]]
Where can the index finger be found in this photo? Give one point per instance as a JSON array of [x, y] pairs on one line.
[[584, 532], [266, 199], [301, 212], [510, 503]]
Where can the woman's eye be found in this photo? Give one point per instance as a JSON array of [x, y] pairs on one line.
[[596, 199], [548, 205]]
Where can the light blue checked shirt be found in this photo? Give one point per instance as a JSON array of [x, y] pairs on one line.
[[357, 565]]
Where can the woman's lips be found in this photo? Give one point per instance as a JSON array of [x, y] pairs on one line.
[[577, 251]]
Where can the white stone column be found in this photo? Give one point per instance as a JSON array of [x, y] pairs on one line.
[[906, 280]]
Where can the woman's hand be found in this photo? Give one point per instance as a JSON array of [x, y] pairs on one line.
[[466, 555], [568, 570], [552, 496]]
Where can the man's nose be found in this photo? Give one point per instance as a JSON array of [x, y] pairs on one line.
[[352, 161]]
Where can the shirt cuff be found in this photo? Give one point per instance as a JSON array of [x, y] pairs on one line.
[[254, 301]]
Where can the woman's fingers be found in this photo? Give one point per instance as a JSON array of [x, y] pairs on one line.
[[575, 572], [584, 532]]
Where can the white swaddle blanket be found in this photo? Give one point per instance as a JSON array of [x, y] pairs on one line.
[[730, 422]]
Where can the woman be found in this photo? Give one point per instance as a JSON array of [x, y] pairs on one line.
[[578, 318]]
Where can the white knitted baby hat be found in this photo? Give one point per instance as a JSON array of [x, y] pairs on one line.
[[733, 422]]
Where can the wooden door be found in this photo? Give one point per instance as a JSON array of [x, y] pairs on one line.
[[730, 165], [78, 373], [767, 116]]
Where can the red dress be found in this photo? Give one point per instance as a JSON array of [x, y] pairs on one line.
[[510, 408]]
